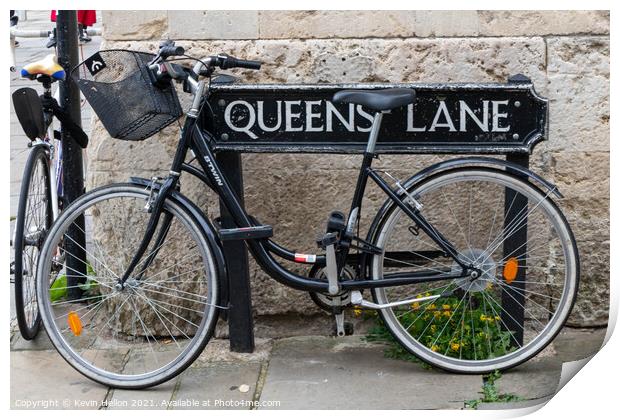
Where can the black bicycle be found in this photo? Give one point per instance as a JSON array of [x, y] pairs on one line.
[[433, 259]]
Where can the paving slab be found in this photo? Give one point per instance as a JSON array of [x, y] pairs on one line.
[[533, 380], [156, 398], [219, 351], [42, 379], [41, 342], [577, 343], [539, 377], [219, 386], [337, 373]]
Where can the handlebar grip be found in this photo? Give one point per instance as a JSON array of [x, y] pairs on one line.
[[248, 64], [225, 61], [169, 51]]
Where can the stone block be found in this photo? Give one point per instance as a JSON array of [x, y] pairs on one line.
[[581, 175], [134, 24], [543, 22], [448, 23], [578, 90], [213, 24], [313, 24]]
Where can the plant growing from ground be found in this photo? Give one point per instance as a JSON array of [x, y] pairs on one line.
[[468, 331], [490, 393]]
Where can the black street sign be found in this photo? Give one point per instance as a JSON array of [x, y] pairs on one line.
[[446, 118]]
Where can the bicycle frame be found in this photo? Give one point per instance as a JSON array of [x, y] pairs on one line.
[[197, 140]]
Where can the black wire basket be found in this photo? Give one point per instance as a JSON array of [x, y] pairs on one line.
[[119, 87]]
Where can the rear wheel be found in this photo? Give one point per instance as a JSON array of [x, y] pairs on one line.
[[527, 276], [155, 326], [34, 218]]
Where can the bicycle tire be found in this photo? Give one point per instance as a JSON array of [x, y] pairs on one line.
[[76, 357], [25, 292], [540, 341]]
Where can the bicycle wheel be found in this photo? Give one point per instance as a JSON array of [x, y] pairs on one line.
[[527, 278], [34, 218], [158, 324]]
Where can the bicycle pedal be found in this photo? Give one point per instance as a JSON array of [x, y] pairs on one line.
[[246, 233], [330, 238]]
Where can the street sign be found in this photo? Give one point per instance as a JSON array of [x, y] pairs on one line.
[[445, 118]]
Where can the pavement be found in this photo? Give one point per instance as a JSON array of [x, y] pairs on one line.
[[307, 372]]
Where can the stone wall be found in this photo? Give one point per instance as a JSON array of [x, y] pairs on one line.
[[565, 53]]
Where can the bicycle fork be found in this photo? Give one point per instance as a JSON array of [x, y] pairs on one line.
[[156, 208]]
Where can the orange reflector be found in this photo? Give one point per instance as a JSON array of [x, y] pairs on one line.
[[74, 323], [510, 269]]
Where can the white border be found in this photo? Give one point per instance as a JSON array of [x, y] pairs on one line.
[[594, 392]]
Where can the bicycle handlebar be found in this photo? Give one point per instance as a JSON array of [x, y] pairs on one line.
[[225, 61], [163, 72]]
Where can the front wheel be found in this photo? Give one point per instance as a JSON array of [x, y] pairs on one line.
[[525, 284], [158, 322]]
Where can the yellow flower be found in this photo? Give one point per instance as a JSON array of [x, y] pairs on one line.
[[497, 317], [446, 313], [418, 297], [415, 306], [431, 307], [483, 317], [433, 328], [434, 348], [357, 311], [455, 346], [446, 306], [427, 294], [437, 314]]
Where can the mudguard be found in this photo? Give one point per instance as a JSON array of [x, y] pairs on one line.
[[478, 161], [207, 227]]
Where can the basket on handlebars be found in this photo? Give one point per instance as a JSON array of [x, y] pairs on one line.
[[118, 86]]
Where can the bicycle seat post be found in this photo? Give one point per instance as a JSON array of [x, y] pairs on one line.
[[374, 132], [46, 82]]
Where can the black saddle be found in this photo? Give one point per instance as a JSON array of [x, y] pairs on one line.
[[377, 100]]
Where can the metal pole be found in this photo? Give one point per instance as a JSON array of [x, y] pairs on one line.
[[515, 206], [240, 322], [513, 300], [72, 166]]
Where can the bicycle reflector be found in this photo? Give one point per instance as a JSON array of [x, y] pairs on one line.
[[510, 269], [74, 322]]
